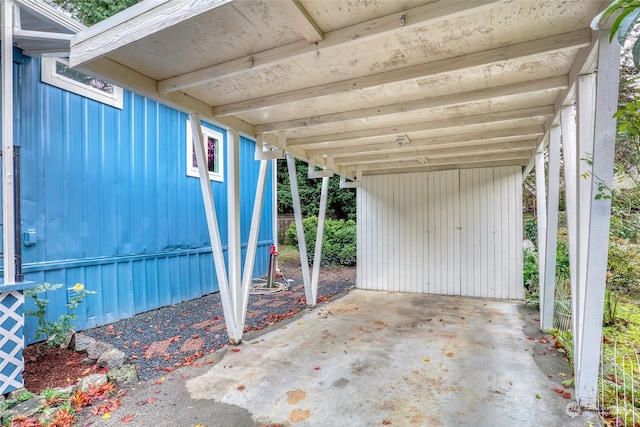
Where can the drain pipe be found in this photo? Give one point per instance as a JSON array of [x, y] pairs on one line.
[[17, 214]]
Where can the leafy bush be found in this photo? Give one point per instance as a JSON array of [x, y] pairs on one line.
[[623, 267], [531, 230], [338, 243]]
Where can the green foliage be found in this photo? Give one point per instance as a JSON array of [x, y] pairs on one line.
[[531, 230], [91, 12], [338, 243], [628, 13], [341, 202], [610, 316], [623, 267], [530, 269], [55, 332]]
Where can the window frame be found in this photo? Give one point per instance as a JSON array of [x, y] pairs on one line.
[[49, 75], [207, 132]]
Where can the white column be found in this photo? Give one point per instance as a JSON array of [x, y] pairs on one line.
[[541, 211], [317, 257], [548, 281], [585, 116], [600, 213], [252, 245], [234, 245], [8, 218], [569, 156], [200, 148], [297, 212]]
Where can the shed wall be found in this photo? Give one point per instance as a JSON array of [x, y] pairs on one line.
[[107, 192], [456, 232]]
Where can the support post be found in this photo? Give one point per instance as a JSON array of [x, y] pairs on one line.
[[212, 224], [234, 245], [317, 257], [548, 282], [585, 117], [570, 166], [8, 204], [252, 245], [600, 214], [297, 212], [541, 208]]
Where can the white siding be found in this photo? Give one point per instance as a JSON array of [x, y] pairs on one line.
[[455, 232]]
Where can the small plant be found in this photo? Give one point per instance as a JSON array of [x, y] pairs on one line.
[[610, 308], [58, 331]]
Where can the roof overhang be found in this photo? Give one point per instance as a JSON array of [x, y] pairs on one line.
[[359, 87]]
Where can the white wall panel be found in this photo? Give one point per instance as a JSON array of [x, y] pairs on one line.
[[450, 232]]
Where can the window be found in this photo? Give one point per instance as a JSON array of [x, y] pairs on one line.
[[56, 72], [214, 153]]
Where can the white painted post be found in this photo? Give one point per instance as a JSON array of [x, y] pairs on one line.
[[297, 212], [548, 283], [234, 251], [252, 245], [541, 208], [600, 214], [8, 218], [569, 155], [319, 235], [585, 117], [200, 148]]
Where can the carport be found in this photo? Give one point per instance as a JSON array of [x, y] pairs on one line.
[[435, 110]]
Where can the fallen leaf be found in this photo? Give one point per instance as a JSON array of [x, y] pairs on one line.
[[235, 350], [127, 418], [240, 388], [106, 416], [426, 359], [185, 376], [538, 396], [566, 395], [562, 374], [317, 368], [386, 422]]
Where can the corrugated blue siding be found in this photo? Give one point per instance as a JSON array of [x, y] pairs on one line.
[[107, 192]]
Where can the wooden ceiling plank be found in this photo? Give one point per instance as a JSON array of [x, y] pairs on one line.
[[460, 122], [419, 16], [519, 155], [473, 150], [449, 141], [521, 88], [301, 20], [559, 43], [133, 24], [426, 168]]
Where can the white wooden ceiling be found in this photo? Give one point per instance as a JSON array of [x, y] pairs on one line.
[[340, 82]]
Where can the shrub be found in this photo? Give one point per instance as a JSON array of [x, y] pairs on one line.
[[338, 243], [623, 267]]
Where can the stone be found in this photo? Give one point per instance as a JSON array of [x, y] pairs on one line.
[[28, 408], [82, 342], [96, 349], [112, 358], [15, 394], [70, 390], [93, 380], [47, 415], [123, 375], [528, 245]]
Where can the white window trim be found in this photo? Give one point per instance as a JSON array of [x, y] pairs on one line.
[[206, 132], [50, 76]]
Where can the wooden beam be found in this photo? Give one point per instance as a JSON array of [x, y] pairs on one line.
[[521, 88], [449, 141], [459, 122], [135, 23], [559, 43], [300, 20], [426, 168], [458, 160], [430, 154], [429, 14]]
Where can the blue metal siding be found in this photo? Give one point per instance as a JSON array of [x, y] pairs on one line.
[[107, 192]]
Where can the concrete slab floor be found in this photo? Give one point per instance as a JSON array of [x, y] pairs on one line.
[[378, 358], [371, 359]]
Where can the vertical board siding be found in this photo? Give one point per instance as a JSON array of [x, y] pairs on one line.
[[107, 192], [456, 232]]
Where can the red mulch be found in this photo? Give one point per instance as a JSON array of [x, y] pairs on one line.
[[46, 367]]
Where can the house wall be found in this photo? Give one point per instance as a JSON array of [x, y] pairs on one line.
[[456, 232], [107, 192]]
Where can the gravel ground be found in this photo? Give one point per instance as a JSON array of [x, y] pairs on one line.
[[159, 341]]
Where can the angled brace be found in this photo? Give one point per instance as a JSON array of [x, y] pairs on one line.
[[327, 172], [270, 153]]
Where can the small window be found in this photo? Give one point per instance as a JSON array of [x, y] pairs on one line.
[[214, 153], [56, 72]]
